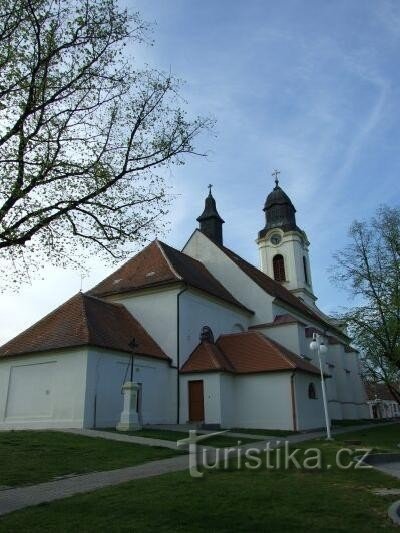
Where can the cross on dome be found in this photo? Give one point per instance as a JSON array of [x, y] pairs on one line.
[[275, 174]]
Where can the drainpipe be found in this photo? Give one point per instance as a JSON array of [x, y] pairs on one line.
[[292, 391], [178, 350]]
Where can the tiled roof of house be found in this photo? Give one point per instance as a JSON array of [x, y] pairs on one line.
[[379, 391], [245, 353], [160, 264], [207, 357], [279, 320], [82, 321]]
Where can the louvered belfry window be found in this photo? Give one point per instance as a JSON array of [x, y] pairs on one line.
[[279, 268]]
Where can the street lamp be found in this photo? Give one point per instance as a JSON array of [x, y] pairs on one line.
[[318, 345]]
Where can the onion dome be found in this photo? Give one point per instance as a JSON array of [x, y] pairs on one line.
[[279, 211]]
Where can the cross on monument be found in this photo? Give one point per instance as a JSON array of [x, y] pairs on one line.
[[210, 187], [275, 174]]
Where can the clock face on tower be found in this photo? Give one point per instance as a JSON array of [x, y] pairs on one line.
[[275, 238]]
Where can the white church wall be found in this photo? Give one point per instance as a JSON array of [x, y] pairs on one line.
[[263, 401], [212, 396], [229, 274], [228, 391], [156, 310], [107, 371], [309, 412], [288, 335], [45, 390], [198, 310]]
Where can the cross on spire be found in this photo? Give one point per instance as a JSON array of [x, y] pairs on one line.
[[275, 174], [210, 187]]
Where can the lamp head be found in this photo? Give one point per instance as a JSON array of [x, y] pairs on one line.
[[314, 345], [322, 348]]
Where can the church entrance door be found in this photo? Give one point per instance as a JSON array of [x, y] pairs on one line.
[[196, 401]]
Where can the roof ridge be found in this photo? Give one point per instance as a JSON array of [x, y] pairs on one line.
[[229, 363], [283, 355], [211, 352], [42, 319], [85, 318], [115, 272], [314, 315], [160, 245]]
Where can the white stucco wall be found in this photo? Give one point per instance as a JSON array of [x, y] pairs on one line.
[[44, 390], [231, 276], [107, 371], [263, 401], [309, 412], [198, 310], [212, 396], [288, 335], [156, 310]]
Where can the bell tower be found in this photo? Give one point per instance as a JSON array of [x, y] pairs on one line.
[[283, 246]]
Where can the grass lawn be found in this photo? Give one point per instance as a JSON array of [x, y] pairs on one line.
[[362, 422], [28, 457], [382, 439], [268, 432], [292, 500], [166, 434]]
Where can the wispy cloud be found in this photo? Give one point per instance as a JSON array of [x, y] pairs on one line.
[[308, 87]]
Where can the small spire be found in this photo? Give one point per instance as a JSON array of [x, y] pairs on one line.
[[275, 174], [210, 223]]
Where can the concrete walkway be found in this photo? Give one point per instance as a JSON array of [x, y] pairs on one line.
[[19, 498], [120, 437]]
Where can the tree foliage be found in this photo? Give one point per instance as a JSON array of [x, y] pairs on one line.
[[369, 268], [84, 132]]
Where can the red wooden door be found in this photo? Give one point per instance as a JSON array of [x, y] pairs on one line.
[[196, 401]]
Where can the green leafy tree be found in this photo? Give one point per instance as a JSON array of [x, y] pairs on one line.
[[369, 269], [84, 133]]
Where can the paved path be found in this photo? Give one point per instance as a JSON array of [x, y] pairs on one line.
[[18, 498], [393, 469], [14, 499], [111, 435]]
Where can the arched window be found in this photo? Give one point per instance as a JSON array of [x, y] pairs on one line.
[[278, 264], [312, 393], [305, 269]]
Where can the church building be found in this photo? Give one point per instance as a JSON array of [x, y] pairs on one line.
[[208, 338]]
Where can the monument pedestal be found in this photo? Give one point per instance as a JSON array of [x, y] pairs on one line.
[[129, 417]]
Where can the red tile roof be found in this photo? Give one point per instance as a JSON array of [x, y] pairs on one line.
[[207, 356], [82, 321], [279, 320], [276, 289], [160, 264], [379, 391], [245, 353]]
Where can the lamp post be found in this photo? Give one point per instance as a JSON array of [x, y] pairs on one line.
[[318, 345]]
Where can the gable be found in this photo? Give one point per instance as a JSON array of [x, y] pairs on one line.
[[233, 278], [160, 265], [199, 244], [85, 321]]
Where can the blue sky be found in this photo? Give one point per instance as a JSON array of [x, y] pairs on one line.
[[310, 87]]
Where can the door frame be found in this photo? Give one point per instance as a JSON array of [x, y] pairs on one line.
[[189, 399]]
